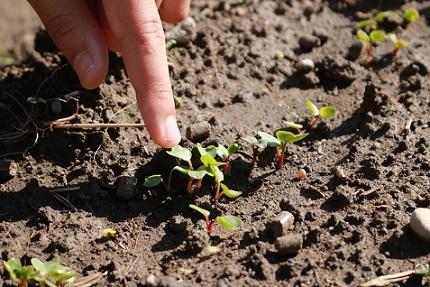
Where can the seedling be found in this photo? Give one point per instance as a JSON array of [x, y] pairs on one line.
[[279, 55], [280, 142], [50, 273], [171, 43], [372, 23], [295, 126], [153, 181], [370, 40], [318, 114], [229, 222], [398, 44], [411, 15], [211, 166], [225, 154], [255, 145], [18, 273], [185, 155]]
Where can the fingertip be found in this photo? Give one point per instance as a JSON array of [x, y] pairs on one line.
[[172, 135], [91, 69]]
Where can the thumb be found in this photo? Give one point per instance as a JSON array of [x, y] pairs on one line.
[[76, 33]]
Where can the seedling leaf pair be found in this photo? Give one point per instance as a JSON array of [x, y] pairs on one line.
[[411, 15], [229, 222], [18, 272], [325, 112], [54, 270], [288, 137], [372, 38]]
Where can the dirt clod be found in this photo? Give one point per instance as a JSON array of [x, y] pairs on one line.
[[198, 132], [126, 187], [289, 244]]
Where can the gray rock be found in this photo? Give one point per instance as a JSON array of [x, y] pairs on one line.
[[289, 244], [183, 32], [280, 224], [126, 187], [198, 132], [308, 42], [420, 223]]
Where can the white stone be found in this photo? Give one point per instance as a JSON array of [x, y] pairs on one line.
[[420, 223], [305, 66]]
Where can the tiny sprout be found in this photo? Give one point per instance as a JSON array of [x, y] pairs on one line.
[[295, 126], [52, 272], [230, 193], [153, 180], [411, 15], [229, 222], [18, 273], [372, 23], [284, 138], [318, 114], [171, 43], [225, 154], [398, 44], [371, 40], [185, 155], [279, 55], [109, 233], [255, 144]]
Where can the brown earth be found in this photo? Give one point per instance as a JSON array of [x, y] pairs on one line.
[[355, 227]]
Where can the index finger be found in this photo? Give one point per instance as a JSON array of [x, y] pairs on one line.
[[137, 26]]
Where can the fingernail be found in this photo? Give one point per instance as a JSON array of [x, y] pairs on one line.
[[171, 130], [83, 64]]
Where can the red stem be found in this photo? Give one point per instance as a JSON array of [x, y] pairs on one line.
[[254, 155], [313, 123], [190, 186], [209, 226], [281, 156], [227, 168]]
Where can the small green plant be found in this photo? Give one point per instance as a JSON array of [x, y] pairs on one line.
[[398, 44], [370, 40], [295, 126], [318, 114], [50, 273], [22, 275], [256, 145], [225, 155], [229, 222], [372, 23], [280, 142], [279, 55], [411, 15], [171, 43]]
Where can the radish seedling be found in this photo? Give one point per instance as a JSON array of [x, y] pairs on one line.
[[280, 142], [411, 15], [185, 155], [255, 145], [370, 40], [18, 273], [372, 23], [51, 273], [229, 222], [295, 126], [398, 44], [318, 114], [211, 166], [225, 154], [153, 181]]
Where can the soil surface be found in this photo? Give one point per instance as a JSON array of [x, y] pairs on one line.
[[367, 169]]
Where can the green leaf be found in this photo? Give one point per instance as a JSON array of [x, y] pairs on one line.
[[401, 44], [180, 152], [233, 148], [377, 36], [292, 125], [327, 112], [210, 150], [12, 266], [196, 174], [363, 36], [381, 16], [217, 173], [153, 180], [171, 43], [268, 140], [288, 137], [365, 23], [279, 55], [230, 193], [411, 15], [222, 152], [312, 108], [53, 269], [229, 222], [208, 160], [39, 266], [200, 210]]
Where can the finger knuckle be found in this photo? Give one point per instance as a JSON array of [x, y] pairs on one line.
[[151, 38], [63, 26]]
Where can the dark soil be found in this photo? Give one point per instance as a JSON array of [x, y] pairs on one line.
[[63, 193]]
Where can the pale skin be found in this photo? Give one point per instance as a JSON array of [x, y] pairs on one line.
[[84, 30]]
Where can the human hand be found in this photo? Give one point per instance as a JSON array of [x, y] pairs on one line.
[[84, 30]]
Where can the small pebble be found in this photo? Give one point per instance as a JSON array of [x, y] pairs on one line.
[[198, 132], [305, 66], [126, 187], [301, 174], [280, 224], [420, 223], [152, 281], [183, 32], [289, 244], [308, 42]]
